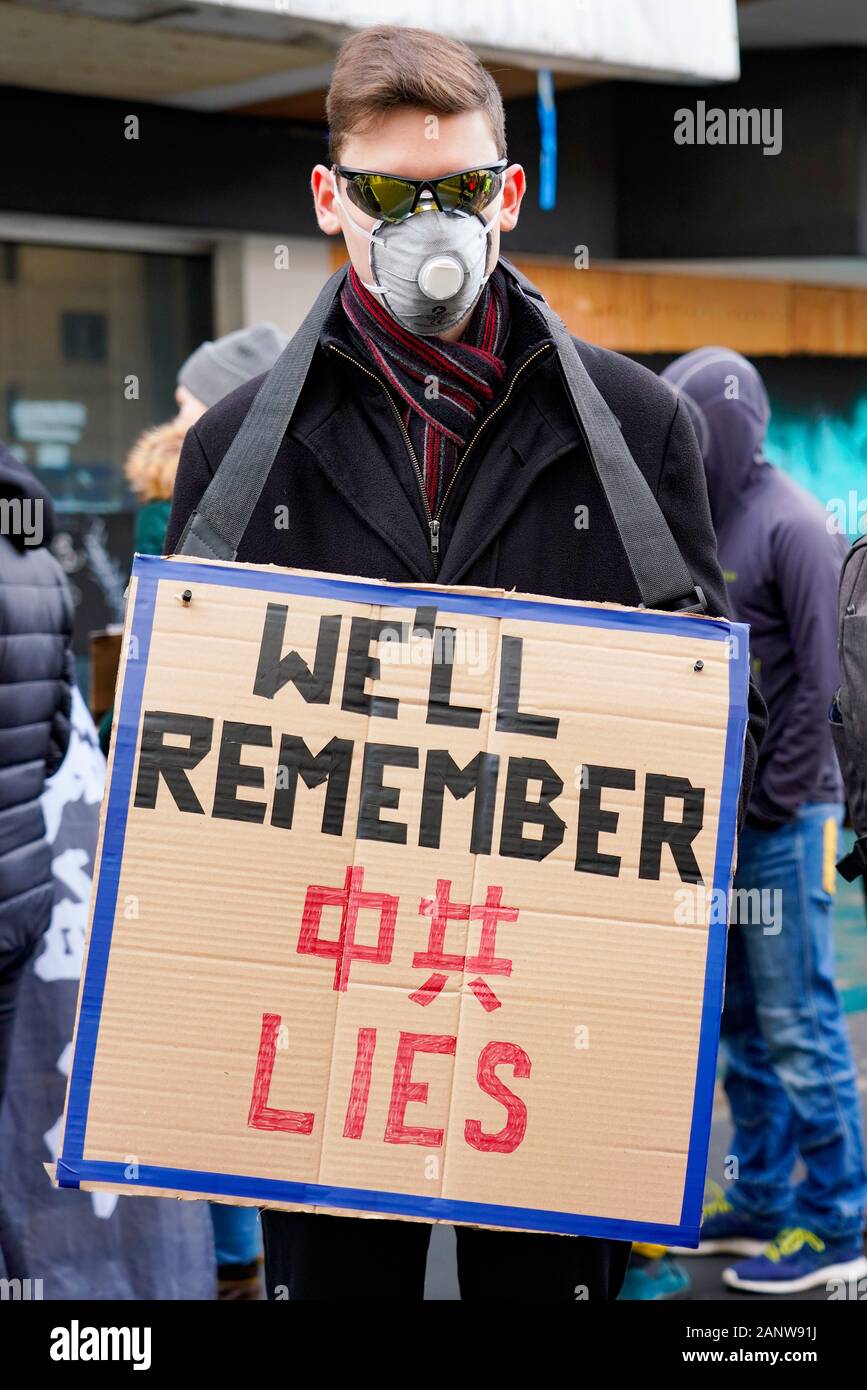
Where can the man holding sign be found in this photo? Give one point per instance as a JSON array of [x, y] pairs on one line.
[[434, 441]]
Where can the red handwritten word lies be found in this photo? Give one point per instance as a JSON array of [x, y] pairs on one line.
[[406, 1089], [441, 911], [351, 899]]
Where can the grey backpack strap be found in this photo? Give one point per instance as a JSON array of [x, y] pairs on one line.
[[215, 528], [660, 571]]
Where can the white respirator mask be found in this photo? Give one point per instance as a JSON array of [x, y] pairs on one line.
[[429, 269]]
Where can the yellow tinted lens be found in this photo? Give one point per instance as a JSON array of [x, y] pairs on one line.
[[469, 192], [381, 196]]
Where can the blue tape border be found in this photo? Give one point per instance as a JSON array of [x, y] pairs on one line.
[[73, 1168], [269, 1191]]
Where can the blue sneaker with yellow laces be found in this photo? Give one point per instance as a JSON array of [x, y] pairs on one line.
[[797, 1260], [727, 1231]]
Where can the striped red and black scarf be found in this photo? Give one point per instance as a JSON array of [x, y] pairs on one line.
[[442, 389]]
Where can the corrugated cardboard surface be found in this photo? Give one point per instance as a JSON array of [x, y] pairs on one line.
[[607, 1019]]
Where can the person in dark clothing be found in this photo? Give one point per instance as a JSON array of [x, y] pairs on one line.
[[36, 677], [208, 374], [434, 441], [212, 370], [790, 1077], [782, 565]]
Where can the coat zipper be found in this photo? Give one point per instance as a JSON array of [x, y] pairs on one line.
[[434, 521], [487, 420]]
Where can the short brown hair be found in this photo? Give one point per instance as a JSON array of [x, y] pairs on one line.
[[390, 66]]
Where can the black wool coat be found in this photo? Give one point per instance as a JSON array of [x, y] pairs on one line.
[[525, 511]]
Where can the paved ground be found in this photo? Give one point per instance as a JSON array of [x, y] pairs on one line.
[[851, 937]]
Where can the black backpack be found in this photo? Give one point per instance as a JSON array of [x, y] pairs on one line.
[[848, 713]]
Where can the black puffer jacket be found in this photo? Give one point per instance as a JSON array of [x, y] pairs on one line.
[[36, 674]]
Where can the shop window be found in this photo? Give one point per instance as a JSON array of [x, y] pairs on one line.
[[84, 337], [89, 355]]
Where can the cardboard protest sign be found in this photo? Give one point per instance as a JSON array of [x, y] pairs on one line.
[[410, 902]]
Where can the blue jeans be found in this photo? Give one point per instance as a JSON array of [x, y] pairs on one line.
[[237, 1238], [790, 1076]]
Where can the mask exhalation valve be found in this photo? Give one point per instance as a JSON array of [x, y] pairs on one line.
[[440, 277]]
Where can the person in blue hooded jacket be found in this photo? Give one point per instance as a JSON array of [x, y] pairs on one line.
[[790, 1076]]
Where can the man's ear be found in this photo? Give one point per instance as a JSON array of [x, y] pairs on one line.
[[514, 188], [322, 184]]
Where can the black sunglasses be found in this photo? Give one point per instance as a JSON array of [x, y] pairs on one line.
[[391, 198]]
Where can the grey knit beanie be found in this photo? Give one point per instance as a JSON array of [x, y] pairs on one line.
[[215, 369]]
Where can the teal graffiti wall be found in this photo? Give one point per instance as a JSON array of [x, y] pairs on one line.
[[818, 430]]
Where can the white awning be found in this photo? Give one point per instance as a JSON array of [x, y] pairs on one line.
[[655, 39], [220, 55]]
